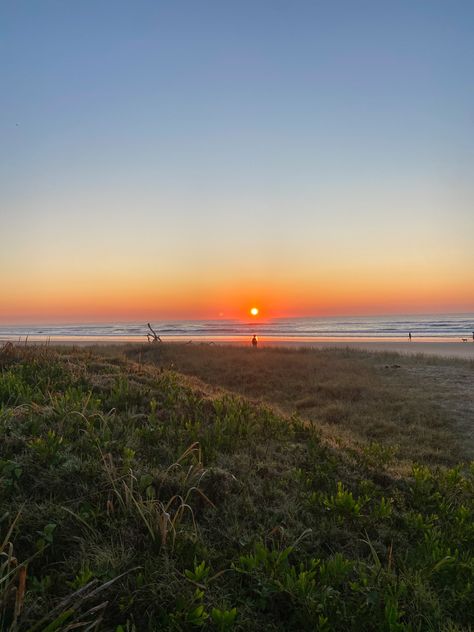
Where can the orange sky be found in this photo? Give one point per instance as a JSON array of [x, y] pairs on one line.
[[187, 165], [122, 297]]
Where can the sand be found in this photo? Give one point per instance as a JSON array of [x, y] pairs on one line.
[[428, 346], [445, 349]]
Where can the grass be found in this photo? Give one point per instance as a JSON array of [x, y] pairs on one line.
[[133, 497], [354, 397]]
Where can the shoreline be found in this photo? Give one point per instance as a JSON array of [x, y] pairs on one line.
[[444, 347]]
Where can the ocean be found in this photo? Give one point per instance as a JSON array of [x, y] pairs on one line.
[[444, 327]]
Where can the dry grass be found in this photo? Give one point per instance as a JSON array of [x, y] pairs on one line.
[[354, 397]]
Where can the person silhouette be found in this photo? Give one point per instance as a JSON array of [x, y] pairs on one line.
[[254, 341], [409, 336]]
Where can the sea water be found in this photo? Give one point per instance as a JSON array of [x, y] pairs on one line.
[[453, 326]]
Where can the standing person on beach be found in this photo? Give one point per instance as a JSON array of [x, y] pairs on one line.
[[254, 341], [409, 336]]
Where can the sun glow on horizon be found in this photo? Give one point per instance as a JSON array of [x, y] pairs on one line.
[[254, 311]]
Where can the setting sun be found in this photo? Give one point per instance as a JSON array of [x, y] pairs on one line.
[[254, 311]]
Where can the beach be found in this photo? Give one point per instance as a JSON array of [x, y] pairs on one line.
[[237, 317], [432, 347], [443, 348], [439, 335]]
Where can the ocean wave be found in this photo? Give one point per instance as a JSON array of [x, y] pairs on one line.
[[376, 327]]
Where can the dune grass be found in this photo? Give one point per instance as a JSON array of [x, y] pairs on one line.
[[354, 397], [135, 498]]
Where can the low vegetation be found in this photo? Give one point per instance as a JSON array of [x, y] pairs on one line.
[[420, 408], [135, 498]]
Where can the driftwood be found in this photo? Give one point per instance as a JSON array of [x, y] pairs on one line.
[[153, 337]]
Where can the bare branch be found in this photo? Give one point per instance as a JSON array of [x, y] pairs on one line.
[[153, 337]]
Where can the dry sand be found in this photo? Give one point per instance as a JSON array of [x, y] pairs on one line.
[[444, 348]]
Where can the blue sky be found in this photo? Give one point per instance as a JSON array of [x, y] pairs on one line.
[[314, 135]]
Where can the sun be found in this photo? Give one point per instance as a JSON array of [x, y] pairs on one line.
[[254, 311]]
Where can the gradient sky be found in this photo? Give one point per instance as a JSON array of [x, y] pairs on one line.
[[192, 158]]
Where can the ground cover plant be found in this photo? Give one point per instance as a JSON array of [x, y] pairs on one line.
[[135, 498]]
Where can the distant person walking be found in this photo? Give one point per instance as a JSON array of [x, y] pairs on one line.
[[254, 342], [409, 336]]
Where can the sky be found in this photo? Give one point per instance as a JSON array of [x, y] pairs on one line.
[[191, 159]]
